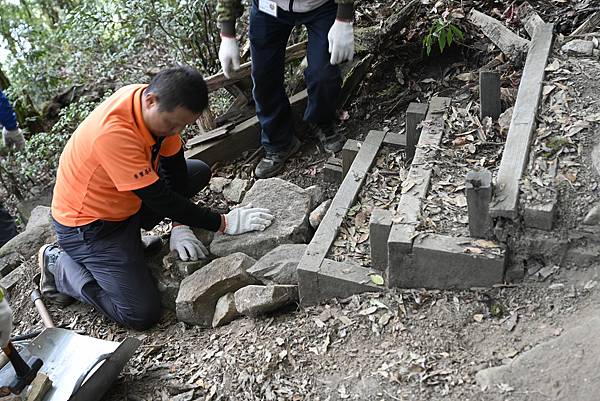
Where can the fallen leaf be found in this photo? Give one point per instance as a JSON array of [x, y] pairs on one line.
[[478, 317], [369, 311], [377, 279]]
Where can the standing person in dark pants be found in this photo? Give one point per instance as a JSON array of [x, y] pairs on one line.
[[122, 170], [330, 42], [12, 137]]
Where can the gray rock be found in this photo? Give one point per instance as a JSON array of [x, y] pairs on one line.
[[289, 204], [560, 369], [38, 232], [596, 158], [579, 47], [255, 300], [234, 192], [593, 216], [316, 216], [190, 267], [317, 195], [218, 183], [199, 293], [225, 310], [280, 265]]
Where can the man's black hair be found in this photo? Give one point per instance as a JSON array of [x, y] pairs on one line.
[[179, 86]]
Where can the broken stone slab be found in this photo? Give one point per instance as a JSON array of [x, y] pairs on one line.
[[280, 265], [443, 262], [39, 231], [579, 47], [217, 184], [563, 368], [592, 218], [255, 300], [235, 190], [225, 311], [505, 119], [541, 216], [290, 205], [199, 293], [316, 216]]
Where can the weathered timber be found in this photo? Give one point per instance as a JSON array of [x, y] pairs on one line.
[[349, 152], [522, 127], [241, 138], [379, 231], [310, 264], [589, 25], [219, 80], [530, 18], [510, 43], [332, 171], [353, 78]]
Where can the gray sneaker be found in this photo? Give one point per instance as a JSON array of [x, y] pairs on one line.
[[273, 162], [47, 257], [330, 137]]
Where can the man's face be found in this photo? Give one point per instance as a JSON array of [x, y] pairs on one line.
[[165, 123]]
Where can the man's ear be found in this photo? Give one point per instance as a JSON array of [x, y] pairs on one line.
[[150, 100]]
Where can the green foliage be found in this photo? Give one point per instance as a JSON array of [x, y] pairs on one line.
[[442, 31], [55, 45], [36, 165]]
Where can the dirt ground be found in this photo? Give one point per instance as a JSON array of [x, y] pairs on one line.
[[401, 345]]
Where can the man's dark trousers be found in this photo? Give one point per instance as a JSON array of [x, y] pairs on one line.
[[8, 228], [268, 40], [103, 262]]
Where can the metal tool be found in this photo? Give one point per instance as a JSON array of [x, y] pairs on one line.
[[25, 371], [81, 368]]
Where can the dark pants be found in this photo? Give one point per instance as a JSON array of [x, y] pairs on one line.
[[103, 262], [268, 40], [8, 228]]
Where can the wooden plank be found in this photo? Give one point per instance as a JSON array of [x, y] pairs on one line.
[[241, 138], [522, 126], [509, 42], [353, 79], [209, 136], [39, 387], [395, 140], [11, 279], [588, 25], [415, 114], [489, 95], [219, 80], [310, 263]]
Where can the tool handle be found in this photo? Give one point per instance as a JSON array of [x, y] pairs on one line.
[[36, 297], [20, 366]]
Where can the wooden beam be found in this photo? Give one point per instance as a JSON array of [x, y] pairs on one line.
[[242, 137], [310, 264], [509, 42], [219, 80], [522, 126]]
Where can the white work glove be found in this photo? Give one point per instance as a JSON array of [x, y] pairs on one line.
[[186, 244], [247, 218], [229, 55], [6, 320], [13, 138], [341, 42]]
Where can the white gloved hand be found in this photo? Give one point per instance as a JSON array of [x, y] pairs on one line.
[[341, 42], [246, 218], [5, 320], [13, 138], [186, 244], [229, 55]]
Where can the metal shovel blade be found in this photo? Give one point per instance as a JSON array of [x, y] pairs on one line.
[[80, 367]]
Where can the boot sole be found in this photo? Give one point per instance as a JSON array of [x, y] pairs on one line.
[[41, 263], [295, 149], [60, 300]]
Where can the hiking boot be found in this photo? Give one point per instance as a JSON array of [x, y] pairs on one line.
[[330, 137], [151, 244], [273, 162], [47, 257]]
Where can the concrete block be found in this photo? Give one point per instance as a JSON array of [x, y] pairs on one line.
[[341, 280], [489, 95], [415, 114], [333, 171], [453, 262], [478, 187], [540, 216], [395, 140], [400, 243], [349, 152], [9, 281], [379, 231]]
